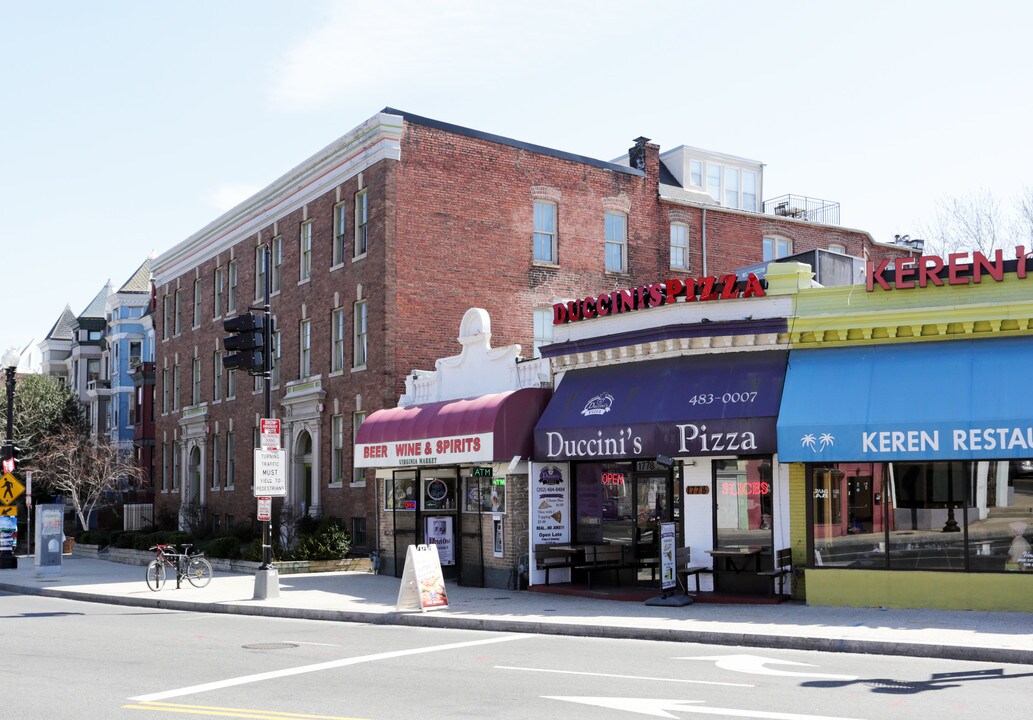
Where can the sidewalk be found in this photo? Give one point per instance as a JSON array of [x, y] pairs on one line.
[[362, 597]]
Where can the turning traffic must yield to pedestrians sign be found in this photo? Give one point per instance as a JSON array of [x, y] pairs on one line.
[[270, 473]]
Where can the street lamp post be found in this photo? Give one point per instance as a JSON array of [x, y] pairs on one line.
[[10, 360]]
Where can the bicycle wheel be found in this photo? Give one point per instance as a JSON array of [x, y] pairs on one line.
[[199, 572], [155, 575]]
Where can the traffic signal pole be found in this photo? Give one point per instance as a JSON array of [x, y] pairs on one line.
[[267, 581]]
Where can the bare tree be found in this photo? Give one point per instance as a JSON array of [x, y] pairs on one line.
[[968, 223], [72, 465], [1023, 224]]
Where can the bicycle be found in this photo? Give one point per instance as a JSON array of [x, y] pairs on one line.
[[195, 568]]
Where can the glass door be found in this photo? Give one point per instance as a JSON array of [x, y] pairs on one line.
[[652, 507]]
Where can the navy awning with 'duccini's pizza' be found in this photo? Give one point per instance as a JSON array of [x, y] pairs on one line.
[[943, 400], [715, 404]]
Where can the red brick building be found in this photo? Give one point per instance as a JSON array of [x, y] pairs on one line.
[[381, 241]]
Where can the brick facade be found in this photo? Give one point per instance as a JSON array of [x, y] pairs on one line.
[[450, 227]]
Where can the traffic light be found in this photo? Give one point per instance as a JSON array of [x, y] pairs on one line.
[[11, 460], [245, 349]]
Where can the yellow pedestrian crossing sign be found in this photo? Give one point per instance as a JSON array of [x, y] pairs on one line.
[[10, 489], [9, 510]]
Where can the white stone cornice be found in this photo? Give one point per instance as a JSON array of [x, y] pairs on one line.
[[379, 138]]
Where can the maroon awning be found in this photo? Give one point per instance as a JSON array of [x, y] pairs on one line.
[[488, 428]]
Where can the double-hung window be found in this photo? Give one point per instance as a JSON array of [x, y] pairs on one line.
[[229, 460], [260, 272], [545, 232], [305, 347], [175, 387], [305, 251], [216, 465], [231, 287], [197, 302], [276, 261], [217, 371], [361, 220], [359, 357], [217, 288], [166, 315], [195, 390], [749, 190], [338, 322], [679, 246], [731, 187], [616, 242], [179, 305], [696, 173], [340, 239], [714, 180], [337, 453]]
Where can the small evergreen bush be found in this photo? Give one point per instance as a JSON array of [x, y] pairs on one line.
[[225, 546]]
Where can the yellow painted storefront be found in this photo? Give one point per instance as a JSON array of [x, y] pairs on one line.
[[851, 316]]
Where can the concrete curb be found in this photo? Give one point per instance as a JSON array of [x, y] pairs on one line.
[[459, 622]]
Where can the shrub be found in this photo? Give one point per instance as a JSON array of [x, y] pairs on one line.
[[223, 547], [124, 540], [244, 533], [329, 542], [253, 552], [94, 537]]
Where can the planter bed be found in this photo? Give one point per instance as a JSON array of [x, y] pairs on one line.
[[286, 567]]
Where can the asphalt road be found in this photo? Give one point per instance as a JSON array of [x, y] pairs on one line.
[[67, 659]]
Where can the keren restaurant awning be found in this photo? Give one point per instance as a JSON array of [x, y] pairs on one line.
[[489, 428], [716, 404], [958, 400]]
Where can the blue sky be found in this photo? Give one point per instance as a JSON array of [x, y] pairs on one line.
[[128, 126]]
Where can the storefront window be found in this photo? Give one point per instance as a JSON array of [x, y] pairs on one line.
[[439, 489], [846, 514], [483, 492], [743, 489], [922, 516], [927, 511], [400, 494], [604, 503]]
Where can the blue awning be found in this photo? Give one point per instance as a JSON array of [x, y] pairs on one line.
[[963, 400], [717, 404]]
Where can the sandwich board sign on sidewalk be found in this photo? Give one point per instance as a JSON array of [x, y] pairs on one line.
[[423, 587]]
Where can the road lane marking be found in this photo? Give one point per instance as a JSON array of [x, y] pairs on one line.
[[287, 672], [623, 677], [656, 707], [215, 711], [755, 665]]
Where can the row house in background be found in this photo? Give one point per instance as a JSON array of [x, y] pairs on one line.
[[98, 355], [128, 343], [379, 244]]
